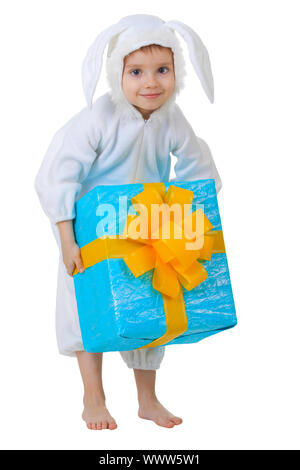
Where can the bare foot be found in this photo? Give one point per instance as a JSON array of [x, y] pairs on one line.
[[96, 415], [152, 409]]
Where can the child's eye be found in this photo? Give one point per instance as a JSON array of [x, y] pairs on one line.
[[161, 70], [133, 72]]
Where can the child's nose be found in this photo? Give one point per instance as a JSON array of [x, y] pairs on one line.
[[151, 80]]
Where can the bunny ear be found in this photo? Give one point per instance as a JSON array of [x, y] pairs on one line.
[[92, 64], [198, 55]]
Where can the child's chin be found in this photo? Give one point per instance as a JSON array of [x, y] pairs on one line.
[[151, 105]]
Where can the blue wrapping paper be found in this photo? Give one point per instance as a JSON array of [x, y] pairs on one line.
[[118, 312]]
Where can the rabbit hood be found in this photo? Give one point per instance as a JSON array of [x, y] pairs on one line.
[[128, 35]]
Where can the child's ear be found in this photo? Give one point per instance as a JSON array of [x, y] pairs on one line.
[[198, 55], [92, 64]]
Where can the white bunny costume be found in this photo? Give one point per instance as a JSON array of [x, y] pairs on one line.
[[109, 142]]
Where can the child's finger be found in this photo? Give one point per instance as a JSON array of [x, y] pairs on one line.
[[79, 263], [70, 268]]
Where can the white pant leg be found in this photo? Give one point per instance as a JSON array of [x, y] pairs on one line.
[[68, 331], [147, 359]]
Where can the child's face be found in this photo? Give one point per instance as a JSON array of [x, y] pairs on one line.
[[148, 73]]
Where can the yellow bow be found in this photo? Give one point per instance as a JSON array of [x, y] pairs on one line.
[[173, 263]]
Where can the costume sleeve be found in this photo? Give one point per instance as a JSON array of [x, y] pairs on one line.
[[66, 164], [194, 159]]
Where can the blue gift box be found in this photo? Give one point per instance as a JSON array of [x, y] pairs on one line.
[[118, 311]]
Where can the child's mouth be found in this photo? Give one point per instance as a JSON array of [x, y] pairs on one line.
[[151, 96]]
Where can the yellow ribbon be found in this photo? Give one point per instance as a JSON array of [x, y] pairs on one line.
[[172, 262]]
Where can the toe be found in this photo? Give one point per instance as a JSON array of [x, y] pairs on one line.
[[112, 425], [89, 425], [99, 425], [176, 420], [165, 423], [171, 423], [94, 426], [104, 424]]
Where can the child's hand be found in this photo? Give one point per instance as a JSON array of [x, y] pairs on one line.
[[71, 257], [70, 249]]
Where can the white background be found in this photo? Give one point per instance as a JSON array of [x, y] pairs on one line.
[[238, 389]]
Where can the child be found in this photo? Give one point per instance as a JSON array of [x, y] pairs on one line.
[[125, 137]]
